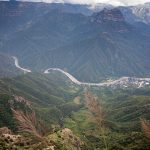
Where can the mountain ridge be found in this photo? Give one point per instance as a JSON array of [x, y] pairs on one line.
[[74, 78], [93, 51]]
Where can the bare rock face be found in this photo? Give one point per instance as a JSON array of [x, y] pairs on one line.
[[5, 130], [20, 100], [108, 15], [133, 14]]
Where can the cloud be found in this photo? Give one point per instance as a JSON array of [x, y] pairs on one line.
[[113, 2]]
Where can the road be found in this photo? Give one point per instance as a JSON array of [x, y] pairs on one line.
[[73, 79], [19, 67], [123, 81]]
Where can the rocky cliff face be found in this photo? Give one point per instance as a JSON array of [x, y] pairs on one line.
[[139, 13], [108, 15]]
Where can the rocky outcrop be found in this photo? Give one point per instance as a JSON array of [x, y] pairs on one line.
[[5, 130], [140, 13], [108, 15], [64, 138]]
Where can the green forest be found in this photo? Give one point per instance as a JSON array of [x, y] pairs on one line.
[[51, 111]]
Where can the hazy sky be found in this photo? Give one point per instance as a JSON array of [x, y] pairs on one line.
[[114, 2]]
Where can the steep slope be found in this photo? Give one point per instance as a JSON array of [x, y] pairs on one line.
[[140, 13], [37, 87], [121, 111], [50, 96], [7, 67], [62, 107], [16, 16], [95, 48]]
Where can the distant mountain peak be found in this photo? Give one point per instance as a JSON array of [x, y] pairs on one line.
[[108, 15], [147, 4]]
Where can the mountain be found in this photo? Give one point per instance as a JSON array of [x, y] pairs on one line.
[[47, 95], [99, 7], [61, 107], [7, 67], [147, 4], [50, 97], [132, 14], [95, 47], [15, 15], [51, 55], [106, 15], [139, 13]]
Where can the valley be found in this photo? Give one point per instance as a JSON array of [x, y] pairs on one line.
[[123, 82], [95, 47], [74, 76]]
